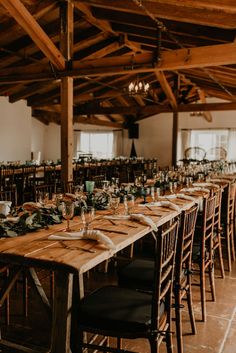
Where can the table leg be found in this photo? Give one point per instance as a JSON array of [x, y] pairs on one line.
[[62, 305]]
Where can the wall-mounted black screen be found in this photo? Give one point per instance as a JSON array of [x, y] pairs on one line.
[[134, 131]]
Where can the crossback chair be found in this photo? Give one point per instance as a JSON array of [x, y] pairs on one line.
[[119, 312], [203, 250]]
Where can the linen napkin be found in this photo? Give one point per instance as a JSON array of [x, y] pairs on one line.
[[195, 189], [186, 197], [90, 234], [144, 220], [170, 205], [206, 185], [164, 203]]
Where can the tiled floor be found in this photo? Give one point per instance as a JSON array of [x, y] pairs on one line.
[[217, 335]]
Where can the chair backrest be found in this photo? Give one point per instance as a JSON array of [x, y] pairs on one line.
[[208, 226], [218, 202], [165, 251], [228, 201], [9, 195], [195, 153], [185, 241], [216, 154], [98, 179], [41, 190]]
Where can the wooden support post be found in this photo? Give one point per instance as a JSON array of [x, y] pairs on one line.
[[174, 138], [67, 139]]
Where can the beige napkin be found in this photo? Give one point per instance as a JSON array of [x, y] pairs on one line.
[[186, 197], [195, 189], [90, 234], [170, 205], [206, 185], [144, 220]]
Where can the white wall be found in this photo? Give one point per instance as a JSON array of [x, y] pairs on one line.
[[15, 131], [20, 134]]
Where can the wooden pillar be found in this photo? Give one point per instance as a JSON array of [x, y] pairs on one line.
[[66, 46], [174, 138]]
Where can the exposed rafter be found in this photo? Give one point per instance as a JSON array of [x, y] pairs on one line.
[[30, 25]]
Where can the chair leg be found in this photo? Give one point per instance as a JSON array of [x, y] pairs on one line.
[[228, 249], [212, 281], [222, 270], [190, 310], [203, 291], [232, 241], [154, 347], [178, 321], [25, 294], [169, 343]]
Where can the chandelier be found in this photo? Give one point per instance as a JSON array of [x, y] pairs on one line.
[[138, 87]]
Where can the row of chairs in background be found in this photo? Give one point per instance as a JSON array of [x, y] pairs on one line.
[[200, 243]]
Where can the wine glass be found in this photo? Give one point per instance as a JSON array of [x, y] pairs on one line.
[[128, 203], [114, 203], [67, 213], [87, 216]]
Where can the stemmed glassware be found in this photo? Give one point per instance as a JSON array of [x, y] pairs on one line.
[[87, 216], [68, 213]]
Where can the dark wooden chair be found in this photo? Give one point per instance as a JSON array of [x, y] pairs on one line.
[[119, 312], [227, 221], [9, 195], [98, 179], [139, 273], [203, 250], [41, 190], [217, 244]]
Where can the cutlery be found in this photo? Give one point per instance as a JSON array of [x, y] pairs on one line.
[[76, 247], [111, 230]]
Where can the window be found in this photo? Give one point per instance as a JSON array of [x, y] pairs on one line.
[[100, 144], [212, 144], [209, 139]]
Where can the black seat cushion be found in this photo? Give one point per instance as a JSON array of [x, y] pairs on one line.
[[137, 274], [113, 308]]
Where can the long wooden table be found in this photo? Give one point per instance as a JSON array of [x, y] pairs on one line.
[[34, 250]]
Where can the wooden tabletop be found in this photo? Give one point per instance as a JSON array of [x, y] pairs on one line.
[[34, 249]]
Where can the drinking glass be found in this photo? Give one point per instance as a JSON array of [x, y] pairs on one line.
[[128, 203], [87, 216], [153, 194], [68, 213], [114, 203]]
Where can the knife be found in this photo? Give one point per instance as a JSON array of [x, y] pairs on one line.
[[111, 230]]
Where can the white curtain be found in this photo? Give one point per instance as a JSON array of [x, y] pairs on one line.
[[185, 141], [76, 143], [117, 143], [231, 153]]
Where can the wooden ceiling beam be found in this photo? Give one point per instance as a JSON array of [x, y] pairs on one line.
[[207, 114], [33, 29], [206, 56], [216, 14], [167, 89], [152, 109], [103, 25]]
